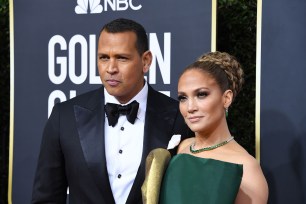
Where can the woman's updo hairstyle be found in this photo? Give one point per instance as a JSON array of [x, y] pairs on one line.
[[223, 67]]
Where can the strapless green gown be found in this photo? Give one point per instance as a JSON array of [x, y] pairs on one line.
[[191, 180]]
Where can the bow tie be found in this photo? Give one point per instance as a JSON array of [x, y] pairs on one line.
[[113, 112]]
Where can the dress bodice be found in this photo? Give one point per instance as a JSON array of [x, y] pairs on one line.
[[189, 179]]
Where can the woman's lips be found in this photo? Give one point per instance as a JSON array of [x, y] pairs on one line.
[[194, 119]]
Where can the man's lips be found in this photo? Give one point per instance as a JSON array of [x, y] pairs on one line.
[[112, 82]]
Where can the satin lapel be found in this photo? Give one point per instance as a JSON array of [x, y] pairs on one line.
[[160, 118], [157, 133], [90, 125]]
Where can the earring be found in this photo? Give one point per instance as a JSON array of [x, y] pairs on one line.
[[226, 112]]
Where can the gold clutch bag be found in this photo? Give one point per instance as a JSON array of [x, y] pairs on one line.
[[156, 164]]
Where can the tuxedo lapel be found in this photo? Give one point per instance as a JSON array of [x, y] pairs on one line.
[[90, 125], [160, 118], [157, 133]]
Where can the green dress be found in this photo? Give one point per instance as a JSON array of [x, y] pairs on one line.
[[191, 180]]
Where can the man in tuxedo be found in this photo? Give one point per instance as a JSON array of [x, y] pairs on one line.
[[97, 143]]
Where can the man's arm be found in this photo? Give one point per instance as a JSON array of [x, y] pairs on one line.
[[50, 183]]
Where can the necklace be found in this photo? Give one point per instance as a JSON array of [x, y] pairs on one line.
[[195, 151]]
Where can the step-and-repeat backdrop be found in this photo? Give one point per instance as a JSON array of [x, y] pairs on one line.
[[283, 100], [54, 59]]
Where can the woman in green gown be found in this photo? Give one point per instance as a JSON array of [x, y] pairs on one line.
[[211, 168]]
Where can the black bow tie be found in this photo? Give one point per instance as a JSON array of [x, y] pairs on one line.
[[113, 112]]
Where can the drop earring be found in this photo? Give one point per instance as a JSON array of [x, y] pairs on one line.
[[226, 112]]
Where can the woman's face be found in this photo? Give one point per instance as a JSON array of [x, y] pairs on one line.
[[202, 102]]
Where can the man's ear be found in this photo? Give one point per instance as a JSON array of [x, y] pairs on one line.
[[146, 60], [227, 98]]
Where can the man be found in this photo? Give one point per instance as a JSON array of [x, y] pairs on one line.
[[85, 148]]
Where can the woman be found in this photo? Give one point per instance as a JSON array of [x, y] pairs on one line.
[[212, 167]]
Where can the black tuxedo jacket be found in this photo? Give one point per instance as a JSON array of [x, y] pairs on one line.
[[73, 150]]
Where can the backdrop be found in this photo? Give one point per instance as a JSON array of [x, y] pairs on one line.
[[283, 99], [54, 52]]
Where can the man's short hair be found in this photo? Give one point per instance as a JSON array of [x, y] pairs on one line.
[[124, 25]]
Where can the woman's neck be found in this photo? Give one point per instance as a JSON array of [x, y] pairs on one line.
[[204, 139]]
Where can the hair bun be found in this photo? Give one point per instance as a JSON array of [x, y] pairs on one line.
[[229, 65]]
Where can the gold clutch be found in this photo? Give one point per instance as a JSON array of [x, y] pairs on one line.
[[156, 164]]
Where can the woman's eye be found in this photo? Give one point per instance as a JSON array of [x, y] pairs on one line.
[[181, 98], [202, 94]]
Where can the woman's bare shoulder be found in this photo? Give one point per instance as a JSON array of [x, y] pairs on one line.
[[254, 187]]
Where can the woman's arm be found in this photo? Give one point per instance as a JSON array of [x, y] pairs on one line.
[[254, 187]]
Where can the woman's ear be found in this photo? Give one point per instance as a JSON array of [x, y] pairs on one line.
[[146, 60], [227, 98]]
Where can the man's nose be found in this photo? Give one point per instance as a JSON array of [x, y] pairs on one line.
[[112, 66]]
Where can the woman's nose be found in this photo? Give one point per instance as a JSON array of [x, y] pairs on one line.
[[191, 106]]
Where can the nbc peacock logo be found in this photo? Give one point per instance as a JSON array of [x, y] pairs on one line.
[[96, 6]]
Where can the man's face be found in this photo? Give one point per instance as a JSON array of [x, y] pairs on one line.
[[121, 67]]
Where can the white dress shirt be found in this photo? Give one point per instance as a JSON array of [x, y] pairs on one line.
[[123, 147]]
